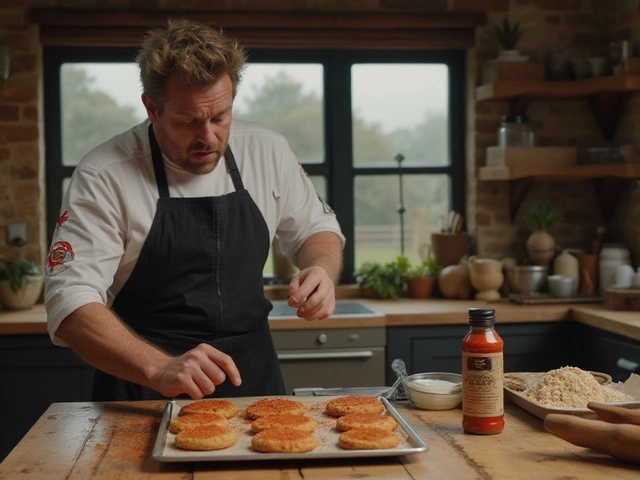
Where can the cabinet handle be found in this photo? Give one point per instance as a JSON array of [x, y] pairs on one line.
[[630, 365], [324, 355]]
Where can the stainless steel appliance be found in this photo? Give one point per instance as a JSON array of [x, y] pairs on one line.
[[331, 357]]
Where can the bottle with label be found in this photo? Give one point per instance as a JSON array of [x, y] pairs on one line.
[[482, 370]]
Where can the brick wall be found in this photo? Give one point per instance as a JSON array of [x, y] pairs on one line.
[[548, 23]]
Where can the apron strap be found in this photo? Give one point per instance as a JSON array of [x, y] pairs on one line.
[[232, 168], [158, 166]]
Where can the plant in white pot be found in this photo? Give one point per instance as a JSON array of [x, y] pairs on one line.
[[541, 245], [507, 35], [21, 284]]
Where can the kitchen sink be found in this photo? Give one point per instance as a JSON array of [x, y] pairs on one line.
[[344, 309]]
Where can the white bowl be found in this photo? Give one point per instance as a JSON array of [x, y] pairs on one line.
[[434, 390]]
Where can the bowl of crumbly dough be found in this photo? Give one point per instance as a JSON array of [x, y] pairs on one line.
[[434, 390]]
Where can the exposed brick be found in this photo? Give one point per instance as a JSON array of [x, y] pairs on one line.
[[483, 219], [552, 4], [553, 20], [409, 5], [9, 113], [20, 89], [23, 173], [18, 133], [29, 113], [5, 153]]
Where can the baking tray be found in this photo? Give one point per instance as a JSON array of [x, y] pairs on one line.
[[540, 410], [326, 433]]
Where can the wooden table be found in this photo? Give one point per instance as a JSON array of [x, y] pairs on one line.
[[114, 441]]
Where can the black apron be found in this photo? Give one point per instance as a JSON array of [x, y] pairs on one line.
[[198, 279]]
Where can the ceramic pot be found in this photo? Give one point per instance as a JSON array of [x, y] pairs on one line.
[[421, 287], [541, 247], [449, 248], [568, 265], [486, 277], [453, 281], [25, 298]]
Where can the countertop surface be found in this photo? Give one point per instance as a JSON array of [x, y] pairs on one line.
[[115, 441], [407, 312]]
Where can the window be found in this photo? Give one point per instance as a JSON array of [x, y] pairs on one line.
[[375, 130]]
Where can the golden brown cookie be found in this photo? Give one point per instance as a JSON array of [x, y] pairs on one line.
[[283, 441], [196, 419], [368, 439], [274, 406], [366, 420], [209, 437], [211, 405], [340, 406], [285, 421]]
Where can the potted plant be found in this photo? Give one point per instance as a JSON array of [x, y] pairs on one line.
[[541, 245], [421, 279], [507, 35], [21, 284], [383, 280]]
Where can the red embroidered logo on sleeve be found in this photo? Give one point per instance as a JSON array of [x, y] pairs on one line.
[[60, 254], [62, 218]]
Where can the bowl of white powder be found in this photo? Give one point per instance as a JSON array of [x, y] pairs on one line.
[[434, 390]]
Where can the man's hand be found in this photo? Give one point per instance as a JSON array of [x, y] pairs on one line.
[[196, 373], [312, 292]]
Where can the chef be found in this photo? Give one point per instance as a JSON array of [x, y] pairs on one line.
[[154, 275]]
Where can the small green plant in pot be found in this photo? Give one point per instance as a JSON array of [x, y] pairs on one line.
[[383, 280], [20, 284], [505, 34], [541, 246], [422, 278]]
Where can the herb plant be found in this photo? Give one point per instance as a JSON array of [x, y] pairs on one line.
[[18, 272], [384, 280], [428, 268], [542, 215]]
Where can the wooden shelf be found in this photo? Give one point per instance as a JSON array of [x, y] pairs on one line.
[[607, 180], [604, 94]]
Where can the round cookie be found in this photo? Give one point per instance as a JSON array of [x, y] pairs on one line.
[[368, 439], [366, 420], [209, 437], [284, 421], [196, 419], [274, 406], [211, 405], [340, 406], [283, 441]]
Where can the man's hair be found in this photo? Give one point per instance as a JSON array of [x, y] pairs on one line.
[[198, 54]]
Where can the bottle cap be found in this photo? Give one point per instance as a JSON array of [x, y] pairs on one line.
[[482, 316]]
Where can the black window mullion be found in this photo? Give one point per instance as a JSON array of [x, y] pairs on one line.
[[340, 154]]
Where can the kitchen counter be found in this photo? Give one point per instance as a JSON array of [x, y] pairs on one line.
[[404, 312], [114, 440]]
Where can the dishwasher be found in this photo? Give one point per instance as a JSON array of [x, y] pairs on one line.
[[331, 357]]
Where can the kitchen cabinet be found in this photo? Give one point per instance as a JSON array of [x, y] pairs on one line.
[[605, 96], [528, 347], [607, 352], [34, 374]]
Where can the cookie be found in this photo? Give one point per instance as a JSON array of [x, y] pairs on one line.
[[284, 421], [206, 437], [368, 439], [365, 420], [212, 405], [196, 419], [283, 441], [274, 406], [340, 406]]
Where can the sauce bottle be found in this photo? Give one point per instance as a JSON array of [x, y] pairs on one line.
[[482, 370]]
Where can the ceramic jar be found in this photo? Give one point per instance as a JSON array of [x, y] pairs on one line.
[[611, 257], [567, 265]]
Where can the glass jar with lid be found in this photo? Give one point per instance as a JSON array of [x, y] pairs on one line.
[[516, 131]]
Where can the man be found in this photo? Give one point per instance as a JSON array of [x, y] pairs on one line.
[[154, 274]]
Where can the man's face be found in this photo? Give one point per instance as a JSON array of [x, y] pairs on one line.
[[193, 128]]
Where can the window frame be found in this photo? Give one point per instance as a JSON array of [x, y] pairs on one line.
[[338, 168]]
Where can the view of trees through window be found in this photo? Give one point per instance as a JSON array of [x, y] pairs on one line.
[[290, 99]]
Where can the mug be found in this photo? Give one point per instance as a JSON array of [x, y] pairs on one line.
[[624, 276]]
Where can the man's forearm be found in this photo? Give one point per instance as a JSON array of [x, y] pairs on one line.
[[102, 340], [324, 249]]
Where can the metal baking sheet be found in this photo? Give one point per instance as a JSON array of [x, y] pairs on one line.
[[165, 451]]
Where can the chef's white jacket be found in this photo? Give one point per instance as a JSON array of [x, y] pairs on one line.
[[111, 201]]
